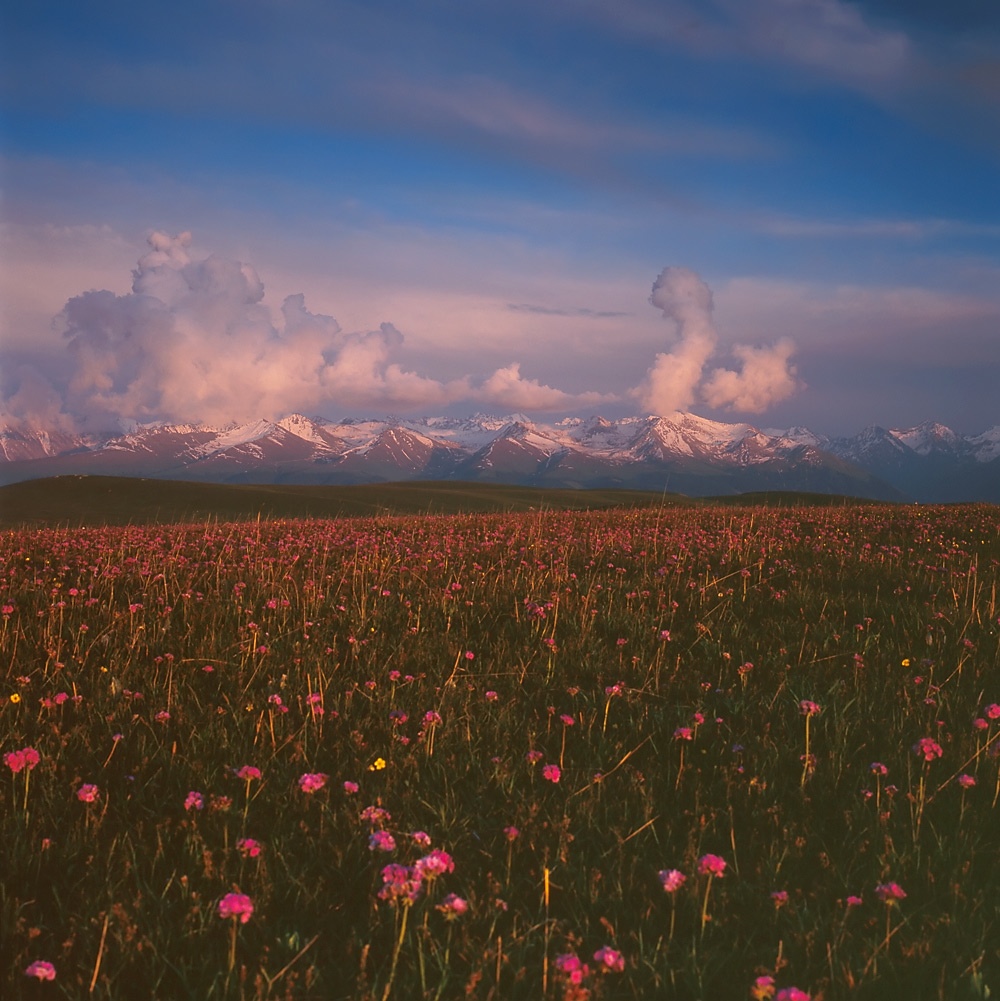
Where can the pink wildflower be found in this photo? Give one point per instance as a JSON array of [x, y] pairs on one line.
[[552, 773], [194, 801], [791, 994], [610, 960], [41, 970], [683, 733], [400, 883], [453, 906], [762, 989], [929, 748], [492, 696], [854, 901], [672, 879], [532, 756], [877, 768], [809, 708], [16, 761], [87, 793], [711, 865], [311, 782], [381, 841], [779, 897], [569, 965], [248, 847], [350, 787], [889, 892], [421, 839], [434, 864], [248, 772], [237, 906], [511, 833]]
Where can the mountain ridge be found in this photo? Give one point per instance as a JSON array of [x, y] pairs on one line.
[[681, 452]]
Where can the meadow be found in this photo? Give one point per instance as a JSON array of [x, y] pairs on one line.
[[681, 752]]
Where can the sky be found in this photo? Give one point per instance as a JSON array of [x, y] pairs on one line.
[[780, 212]]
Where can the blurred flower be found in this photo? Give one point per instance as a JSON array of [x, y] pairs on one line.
[[966, 781], [779, 897], [511, 833], [929, 748], [381, 841], [683, 733], [551, 772], [236, 905], [889, 892], [194, 801], [248, 847], [532, 756], [610, 960], [350, 787], [569, 965], [248, 772], [877, 768], [400, 883], [87, 793], [27, 757], [762, 989], [434, 864], [311, 782], [854, 901], [453, 906], [41, 970], [791, 994], [377, 765], [809, 708], [421, 839], [712, 865], [672, 879]]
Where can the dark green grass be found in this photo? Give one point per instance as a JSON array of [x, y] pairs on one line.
[[113, 500]]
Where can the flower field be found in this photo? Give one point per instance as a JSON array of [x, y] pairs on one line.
[[694, 752]]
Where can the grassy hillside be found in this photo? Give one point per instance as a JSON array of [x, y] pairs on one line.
[[113, 500]]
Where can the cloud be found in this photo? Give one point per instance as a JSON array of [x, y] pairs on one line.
[[677, 377], [508, 389], [193, 341], [526, 307], [765, 378]]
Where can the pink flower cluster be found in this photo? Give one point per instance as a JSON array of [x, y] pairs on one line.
[[248, 772], [889, 892], [929, 748], [453, 906], [712, 865], [17, 761], [40, 969], [312, 782], [236, 905], [672, 879], [87, 793], [434, 864], [400, 884]]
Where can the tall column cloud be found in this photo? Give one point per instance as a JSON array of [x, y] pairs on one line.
[[677, 378]]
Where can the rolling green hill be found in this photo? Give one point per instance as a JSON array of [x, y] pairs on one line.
[[112, 500]]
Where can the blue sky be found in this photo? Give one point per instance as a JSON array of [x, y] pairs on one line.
[[475, 200]]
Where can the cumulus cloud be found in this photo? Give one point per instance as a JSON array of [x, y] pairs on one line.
[[507, 388], [765, 378], [677, 377], [194, 341]]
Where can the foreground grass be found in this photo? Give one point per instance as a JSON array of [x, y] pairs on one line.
[[567, 704]]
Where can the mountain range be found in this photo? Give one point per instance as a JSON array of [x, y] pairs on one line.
[[680, 453]]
